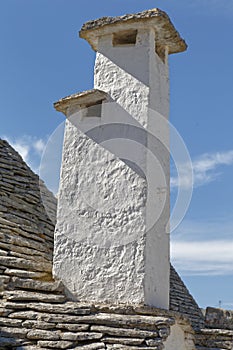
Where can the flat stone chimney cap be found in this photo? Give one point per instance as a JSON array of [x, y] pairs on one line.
[[84, 98], [166, 33]]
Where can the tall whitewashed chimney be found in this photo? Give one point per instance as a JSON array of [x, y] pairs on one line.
[[112, 232]]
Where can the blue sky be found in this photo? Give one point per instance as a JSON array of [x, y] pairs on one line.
[[42, 59]]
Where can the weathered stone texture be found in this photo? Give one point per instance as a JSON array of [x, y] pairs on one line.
[[182, 301], [219, 339], [166, 33], [219, 318], [55, 344], [66, 329], [26, 226], [82, 98], [34, 311]]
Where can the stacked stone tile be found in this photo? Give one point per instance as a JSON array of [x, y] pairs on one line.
[[214, 331], [26, 241], [68, 325], [182, 301], [214, 339], [219, 318], [218, 333], [26, 228], [35, 311]]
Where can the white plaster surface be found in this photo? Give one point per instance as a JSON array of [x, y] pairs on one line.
[[105, 249], [179, 339], [89, 258]]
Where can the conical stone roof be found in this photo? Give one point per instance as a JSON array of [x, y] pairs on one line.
[[35, 312], [26, 235]]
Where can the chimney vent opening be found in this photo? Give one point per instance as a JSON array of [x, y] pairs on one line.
[[125, 38], [93, 109]]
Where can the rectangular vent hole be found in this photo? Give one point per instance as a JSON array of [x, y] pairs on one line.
[[125, 38], [94, 109]]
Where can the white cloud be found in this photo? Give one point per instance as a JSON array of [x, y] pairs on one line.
[[197, 230], [22, 149], [203, 247], [227, 303], [39, 146], [205, 169], [212, 257], [29, 147]]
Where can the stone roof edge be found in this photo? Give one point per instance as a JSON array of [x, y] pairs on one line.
[[79, 98], [177, 44], [140, 309], [103, 21]]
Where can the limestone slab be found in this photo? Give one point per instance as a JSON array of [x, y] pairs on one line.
[[43, 335], [157, 18], [14, 332], [121, 340], [74, 327], [94, 346], [125, 332], [29, 296], [25, 264], [23, 283], [55, 344], [37, 324]]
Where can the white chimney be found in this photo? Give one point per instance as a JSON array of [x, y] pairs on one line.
[[112, 232]]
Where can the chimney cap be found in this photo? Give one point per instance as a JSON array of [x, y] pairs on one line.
[[81, 98], [166, 34]]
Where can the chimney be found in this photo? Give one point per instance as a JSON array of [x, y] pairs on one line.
[[112, 232]]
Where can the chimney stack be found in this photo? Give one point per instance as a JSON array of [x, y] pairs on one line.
[[112, 232]]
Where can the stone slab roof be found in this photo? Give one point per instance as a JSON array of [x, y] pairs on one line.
[[80, 98], [26, 227], [35, 310], [214, 339], [219, 318], [182, 301], [40, 324], [167, 35]]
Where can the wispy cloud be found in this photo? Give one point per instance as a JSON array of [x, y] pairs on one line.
[[29, 147], [39, 146], [197, 249], [206, 168], [195, 230], [212, 257], [226, 303]]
